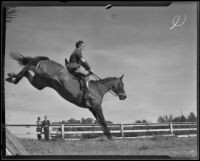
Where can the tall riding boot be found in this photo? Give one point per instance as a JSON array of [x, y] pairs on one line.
[[87, 92]]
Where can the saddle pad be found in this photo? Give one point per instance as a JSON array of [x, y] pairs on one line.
[[72, 65]]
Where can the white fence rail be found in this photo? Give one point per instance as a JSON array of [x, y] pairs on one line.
[[122, 129]]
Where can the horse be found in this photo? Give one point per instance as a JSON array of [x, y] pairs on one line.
[[48, 73]]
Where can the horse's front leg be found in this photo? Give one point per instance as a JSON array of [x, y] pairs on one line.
[[98, 114]]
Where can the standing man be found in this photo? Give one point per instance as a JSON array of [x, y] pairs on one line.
[[45, 125], [39, 128]]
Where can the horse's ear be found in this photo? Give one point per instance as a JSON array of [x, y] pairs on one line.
[[122, 76]]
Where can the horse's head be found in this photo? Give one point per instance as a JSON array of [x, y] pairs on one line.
[[118, 88]]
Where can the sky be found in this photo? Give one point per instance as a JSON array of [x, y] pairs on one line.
[[159, 64]]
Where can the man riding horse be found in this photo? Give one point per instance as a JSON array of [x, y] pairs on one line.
[[48, 73], [76, 60]]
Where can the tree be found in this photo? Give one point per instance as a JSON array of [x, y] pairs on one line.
[[86, 121], [138, 121], [144, 121], [160, 119], [191, 117], [183, 118], [96, 122], [89, 120], [63, 122], [141, 121], [168, 119], [176, 119], [165, 118], [73, 121], [109, 122]]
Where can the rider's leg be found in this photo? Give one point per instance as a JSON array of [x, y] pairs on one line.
[[87, 82], [87, 91], [87, 94]]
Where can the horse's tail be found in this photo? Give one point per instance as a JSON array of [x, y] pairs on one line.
[[22, 60]]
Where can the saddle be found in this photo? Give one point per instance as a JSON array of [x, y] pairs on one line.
[[71, 67]]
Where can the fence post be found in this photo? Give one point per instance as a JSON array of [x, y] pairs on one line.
[[171, 128], [122, 130], [62, 131]]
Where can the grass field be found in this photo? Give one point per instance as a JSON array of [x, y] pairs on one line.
[[175, 147]]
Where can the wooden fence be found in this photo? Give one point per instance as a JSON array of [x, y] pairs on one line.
[[122, 130]]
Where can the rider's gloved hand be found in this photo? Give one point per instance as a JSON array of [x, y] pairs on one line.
[[90, 72]]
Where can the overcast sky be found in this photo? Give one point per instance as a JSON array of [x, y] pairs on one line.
[[159, 64]]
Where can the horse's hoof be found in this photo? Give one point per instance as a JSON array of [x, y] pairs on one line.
[[9, 79], [11, 74]]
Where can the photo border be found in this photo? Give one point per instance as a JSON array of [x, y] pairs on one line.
[[80, 3]]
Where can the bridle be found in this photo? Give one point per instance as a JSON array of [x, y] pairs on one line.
[[111, 91]]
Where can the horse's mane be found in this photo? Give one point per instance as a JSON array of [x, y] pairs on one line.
[[103, 80]]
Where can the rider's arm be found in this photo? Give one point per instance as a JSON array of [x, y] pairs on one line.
[[84, 64]]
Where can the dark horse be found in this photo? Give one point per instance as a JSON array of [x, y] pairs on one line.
[[48, 73]]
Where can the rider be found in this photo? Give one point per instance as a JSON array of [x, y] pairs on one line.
[[76, 60]]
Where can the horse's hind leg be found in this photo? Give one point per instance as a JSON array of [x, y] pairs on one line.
[[20, 75], [13, 79], [34, 80]]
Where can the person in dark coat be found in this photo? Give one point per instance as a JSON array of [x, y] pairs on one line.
[[39, 128], [45, 125], [76, 60]]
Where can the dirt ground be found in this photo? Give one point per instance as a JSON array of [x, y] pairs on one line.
[[175, 147]]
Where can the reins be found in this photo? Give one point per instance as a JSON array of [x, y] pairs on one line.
[[98, 78]]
